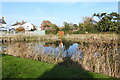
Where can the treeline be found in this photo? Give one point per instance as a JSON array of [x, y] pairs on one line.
[[106, 23]]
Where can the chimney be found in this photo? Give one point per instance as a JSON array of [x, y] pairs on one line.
[[22, 21], [2, 18], [16, 22]]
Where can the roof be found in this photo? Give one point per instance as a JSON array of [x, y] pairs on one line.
[[2, 21], [18, 23]]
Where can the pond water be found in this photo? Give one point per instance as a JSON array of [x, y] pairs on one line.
[[54, 49], [100, 58]]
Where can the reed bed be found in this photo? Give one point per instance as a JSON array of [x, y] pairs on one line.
[[26, 38], [93, 38], [103, 59], [71, 37]]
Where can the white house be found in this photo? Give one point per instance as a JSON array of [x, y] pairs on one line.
[[26, 25], [16, 25], [3, 25]]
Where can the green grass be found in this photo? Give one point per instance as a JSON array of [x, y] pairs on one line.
[[14, 67]]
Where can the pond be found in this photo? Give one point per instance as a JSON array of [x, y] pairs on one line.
[[53, 49], [96, 57]]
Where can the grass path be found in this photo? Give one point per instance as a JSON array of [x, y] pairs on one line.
[[13, 67]]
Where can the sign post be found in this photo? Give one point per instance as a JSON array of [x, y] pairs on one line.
[[60, 33]]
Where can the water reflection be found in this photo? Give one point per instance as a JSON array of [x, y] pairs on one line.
[[97, 57], [57, 50]]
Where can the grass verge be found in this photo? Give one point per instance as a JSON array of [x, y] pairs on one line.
[[14, 67]]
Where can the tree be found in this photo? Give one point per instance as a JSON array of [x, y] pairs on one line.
[[87, 19], [54, 28], [87, 24], [75, 26], [66, 25], [71, 25], [46, 23], [107, 22], [99, 15]]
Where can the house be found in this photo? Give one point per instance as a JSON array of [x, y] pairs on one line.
[[3, 25], [26, 25]]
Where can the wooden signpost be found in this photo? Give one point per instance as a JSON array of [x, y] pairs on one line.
[[60, 33]]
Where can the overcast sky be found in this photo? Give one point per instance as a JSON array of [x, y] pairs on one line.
[[56, 12]]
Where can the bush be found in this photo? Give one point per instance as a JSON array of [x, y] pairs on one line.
[[20, 29]]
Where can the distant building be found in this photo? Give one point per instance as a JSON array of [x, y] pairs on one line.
[[39, 31], [42, 32], [39, 28], [28, 28], [26, 25], [3, 25]]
